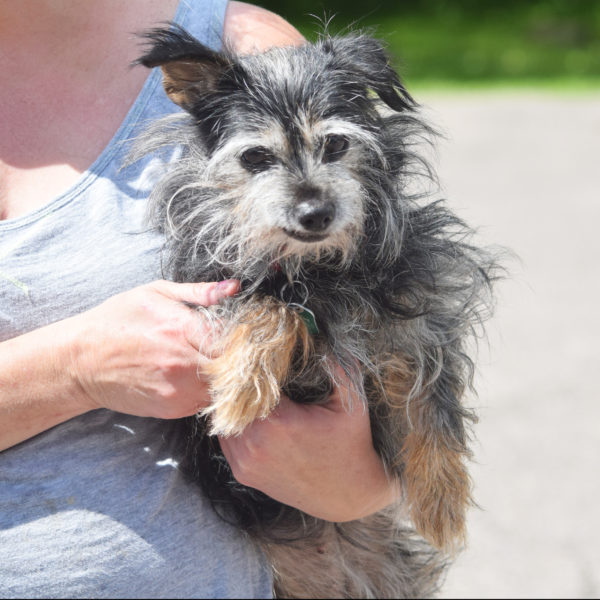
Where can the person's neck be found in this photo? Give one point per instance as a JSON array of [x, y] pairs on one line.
[[66, 87]]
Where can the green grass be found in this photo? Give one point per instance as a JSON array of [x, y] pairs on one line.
[[551, 44], [485, 51]]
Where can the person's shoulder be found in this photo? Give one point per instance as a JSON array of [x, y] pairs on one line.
[[250, 28]]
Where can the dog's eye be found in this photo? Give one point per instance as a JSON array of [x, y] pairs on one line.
[[334, 148], [257, 159]]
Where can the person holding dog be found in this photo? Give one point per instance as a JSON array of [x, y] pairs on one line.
[[98, 354]]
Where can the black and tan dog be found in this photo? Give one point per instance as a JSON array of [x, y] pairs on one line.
[[298, 178]]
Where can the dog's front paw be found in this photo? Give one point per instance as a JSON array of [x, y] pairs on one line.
[[254, 364], [243, 388]]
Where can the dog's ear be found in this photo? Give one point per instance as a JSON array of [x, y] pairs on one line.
[[189, 68], [366, 59]]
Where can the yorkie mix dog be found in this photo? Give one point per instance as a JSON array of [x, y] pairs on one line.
[[297, 178]]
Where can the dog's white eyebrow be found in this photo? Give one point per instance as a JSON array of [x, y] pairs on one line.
[[337, 126], [342, 127], [272, 137]]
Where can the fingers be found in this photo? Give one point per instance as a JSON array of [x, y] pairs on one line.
[[199, 331], [199, 294]]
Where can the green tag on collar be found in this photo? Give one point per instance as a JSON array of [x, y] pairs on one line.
[[307, 316]]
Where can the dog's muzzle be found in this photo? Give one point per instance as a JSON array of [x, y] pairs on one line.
[[312, 218]]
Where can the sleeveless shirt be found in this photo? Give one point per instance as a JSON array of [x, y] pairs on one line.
[[96, 507]]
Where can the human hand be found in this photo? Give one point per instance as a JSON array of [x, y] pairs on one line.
[[138, 352], [317, 458]]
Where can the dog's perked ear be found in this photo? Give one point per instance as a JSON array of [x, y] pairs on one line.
[[366, 59], [189, 68]]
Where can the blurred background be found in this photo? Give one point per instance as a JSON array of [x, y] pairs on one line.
[[476, 43], [514, 86]]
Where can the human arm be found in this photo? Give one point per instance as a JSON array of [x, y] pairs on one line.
[[42, 378], [136, 353]]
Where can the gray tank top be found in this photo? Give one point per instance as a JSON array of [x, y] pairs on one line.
[[96, 507]]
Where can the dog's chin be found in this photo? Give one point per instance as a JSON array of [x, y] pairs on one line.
[[308, 238]]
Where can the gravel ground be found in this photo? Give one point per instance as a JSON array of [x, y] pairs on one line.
[[524, 169]]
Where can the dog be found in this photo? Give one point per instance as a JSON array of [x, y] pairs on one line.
[[298, 178]]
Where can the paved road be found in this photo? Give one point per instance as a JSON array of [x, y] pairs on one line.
[[525, 168]]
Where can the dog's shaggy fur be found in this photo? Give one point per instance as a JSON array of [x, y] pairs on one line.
[[298, 179]]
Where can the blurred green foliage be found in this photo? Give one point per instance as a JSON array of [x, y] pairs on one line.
[[450, 42]]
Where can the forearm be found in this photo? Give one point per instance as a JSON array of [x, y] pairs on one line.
[[136, 353], [37, 386]]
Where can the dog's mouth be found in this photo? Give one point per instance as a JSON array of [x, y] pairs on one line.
[[305, 237]]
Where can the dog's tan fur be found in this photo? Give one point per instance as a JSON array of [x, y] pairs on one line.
[[437, 488], [435, 480], [253, 363]]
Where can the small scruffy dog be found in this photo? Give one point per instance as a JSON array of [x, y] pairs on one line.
[[297, 178]]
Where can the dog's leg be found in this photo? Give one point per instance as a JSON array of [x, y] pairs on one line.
[[256, 352], [430, 457]]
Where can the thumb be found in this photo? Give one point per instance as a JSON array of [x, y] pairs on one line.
[[199, 294]]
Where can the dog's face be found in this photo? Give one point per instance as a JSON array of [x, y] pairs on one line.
[[293, 141], [294, 177]]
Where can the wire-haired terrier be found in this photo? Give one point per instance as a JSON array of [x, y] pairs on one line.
[[298, 178]]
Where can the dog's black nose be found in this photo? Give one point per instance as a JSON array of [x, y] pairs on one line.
[[315, 216]]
